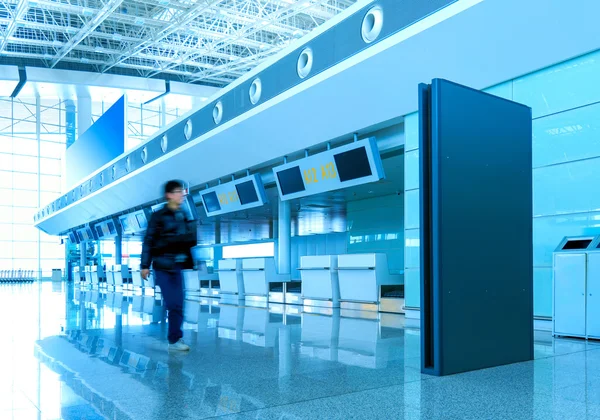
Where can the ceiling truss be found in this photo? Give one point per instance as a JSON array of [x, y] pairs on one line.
[[205, 41]]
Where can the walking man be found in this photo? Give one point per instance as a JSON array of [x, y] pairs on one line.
[[167, 244]]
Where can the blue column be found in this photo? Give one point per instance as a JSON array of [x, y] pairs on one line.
[[284, 238], [71, 120]]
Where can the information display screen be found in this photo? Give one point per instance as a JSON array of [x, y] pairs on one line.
[[211, 201], [99, 231], [353, 164], [240, 194], [291, 181], [141, 219], [125, 223], [111, 228], [246, 192]]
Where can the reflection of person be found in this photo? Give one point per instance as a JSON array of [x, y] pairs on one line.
[[167, 244]]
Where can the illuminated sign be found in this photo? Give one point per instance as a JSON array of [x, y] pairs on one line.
[[346, 166], [241, 194]]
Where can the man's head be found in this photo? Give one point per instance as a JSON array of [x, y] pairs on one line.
[[174, 193]]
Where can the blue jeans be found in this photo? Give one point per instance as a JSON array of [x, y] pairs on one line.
[[171, 286]]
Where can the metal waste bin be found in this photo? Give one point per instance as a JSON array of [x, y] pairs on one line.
[[571, 283]]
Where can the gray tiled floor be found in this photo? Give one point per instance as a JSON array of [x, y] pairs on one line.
[[90, 355]]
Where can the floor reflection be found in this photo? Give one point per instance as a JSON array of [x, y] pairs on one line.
[[91, 354]]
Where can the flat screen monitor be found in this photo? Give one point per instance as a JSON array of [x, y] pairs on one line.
[[246, 192], [89, 233], [353, 164], [72, 238], [141, 219], [111, 228], [125, 223], [290, 181], [80, 236], [211, 202], [99, 231]]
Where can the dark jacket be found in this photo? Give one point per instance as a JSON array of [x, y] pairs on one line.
[[169, 234]]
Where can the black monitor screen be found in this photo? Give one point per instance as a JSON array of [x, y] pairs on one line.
[[577, 244], [99, 231], [353, 164], [141, 219], [111, 228], [72, 238], [79, 235], [246, 192], [290, 180], [89, 232], [211, 202]]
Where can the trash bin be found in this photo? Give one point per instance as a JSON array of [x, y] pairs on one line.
[[570, 285]]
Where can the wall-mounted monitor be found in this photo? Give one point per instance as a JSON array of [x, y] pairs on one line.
[[141, 221], [241, 194], [111, 227], [354, 164], [99, 231]]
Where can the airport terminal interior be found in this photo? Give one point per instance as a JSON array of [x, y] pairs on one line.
[[393, 206]]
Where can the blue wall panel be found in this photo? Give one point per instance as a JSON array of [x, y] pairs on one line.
[[567, 188], [101, 143], [565, 86], [568, 136]]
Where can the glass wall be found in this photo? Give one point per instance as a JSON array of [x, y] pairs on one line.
[[32, 142]]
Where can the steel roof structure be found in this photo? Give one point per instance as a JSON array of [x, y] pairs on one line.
[[207, 41]]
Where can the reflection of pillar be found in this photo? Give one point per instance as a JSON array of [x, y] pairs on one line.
[[284, 233], [119, 330], [84, 115], [118, 249], [285, 348], [82, 255], [70, 117]]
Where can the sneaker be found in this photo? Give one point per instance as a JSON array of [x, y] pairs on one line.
[[179, 346]]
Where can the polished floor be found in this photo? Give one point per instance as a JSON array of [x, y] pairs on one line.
[[71, 354]]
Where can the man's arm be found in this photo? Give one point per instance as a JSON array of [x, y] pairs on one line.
[[149, 241]]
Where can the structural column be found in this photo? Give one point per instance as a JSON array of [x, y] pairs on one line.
[[118, 250], [284, 238]]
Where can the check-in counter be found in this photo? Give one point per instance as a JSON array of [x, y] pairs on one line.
[[231, 280], [191, 281], [293, 293], [262, 283], [78, 275], [121, 274], [320, 284], [110, 276], [97, 275], [87, 273], [361, 277]]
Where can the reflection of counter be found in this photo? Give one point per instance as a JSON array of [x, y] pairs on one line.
[[260, 327], [231, 320], [320, 336]]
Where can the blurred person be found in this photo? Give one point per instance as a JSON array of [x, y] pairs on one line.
[[167, 247]]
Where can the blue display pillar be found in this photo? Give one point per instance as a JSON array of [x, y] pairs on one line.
[[71, 122], [284, 238]]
